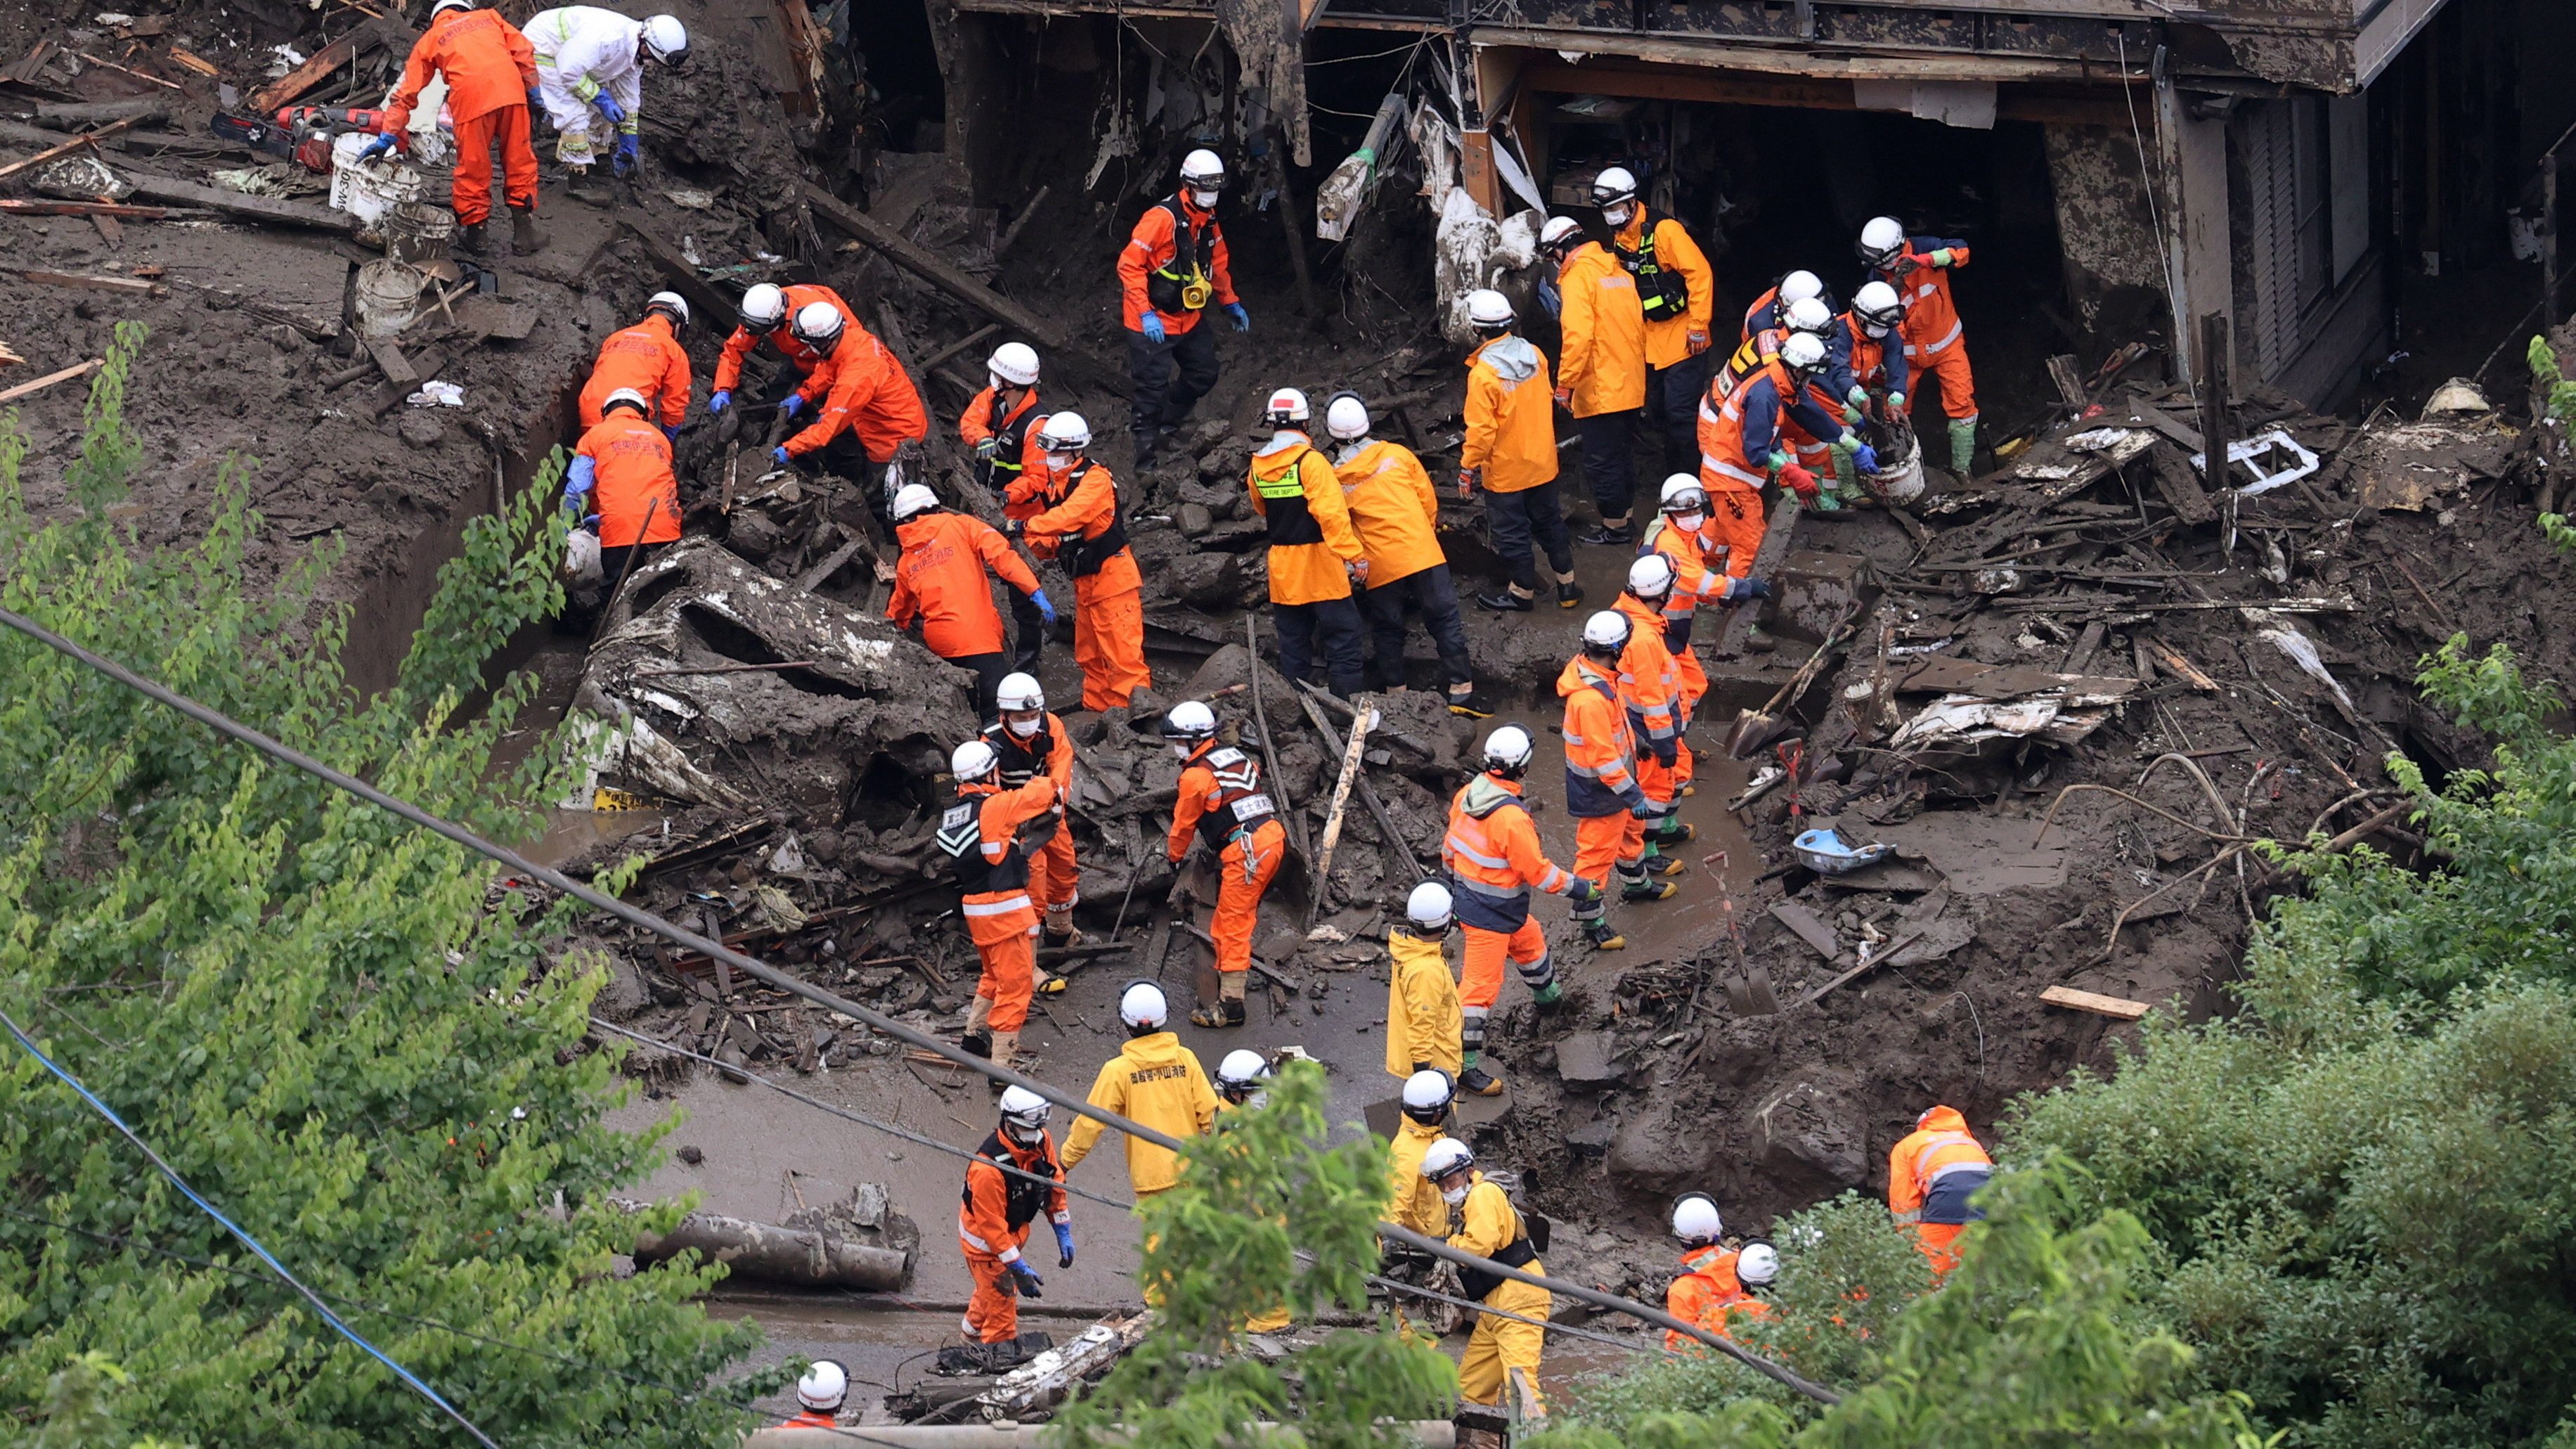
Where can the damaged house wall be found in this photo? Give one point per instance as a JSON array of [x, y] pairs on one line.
[[2114, 252]]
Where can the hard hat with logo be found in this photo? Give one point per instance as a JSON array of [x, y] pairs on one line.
[[1651, 576], [1615, 184], [910, 499], [1881, 239], [1804, 352], [1019, 692], [1446, 1156], [1509, 746], [1605, 630], [764, 306], [1013, 364], [1142, 1005], [972, 760], [1808, 314], [817, 322], [1064, 433], [1287, 408], [1024, 1111]]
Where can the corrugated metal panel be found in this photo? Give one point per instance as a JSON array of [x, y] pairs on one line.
[[2267, 141]]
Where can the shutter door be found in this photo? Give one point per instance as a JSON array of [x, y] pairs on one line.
[[2267, 142]]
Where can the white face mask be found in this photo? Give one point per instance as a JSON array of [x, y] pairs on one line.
[[1867, 330], [1689, 522], [1617, 215], [1181, 753], [1024, 727], [1453, 1195], [1203, 200], [1023, 1135]]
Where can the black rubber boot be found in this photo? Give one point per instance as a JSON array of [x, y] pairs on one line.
[[1569, 594], [1504, 601]]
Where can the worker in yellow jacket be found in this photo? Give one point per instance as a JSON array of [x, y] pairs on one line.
[[1317, 565], [1425, 1025], [1600, 370], [1154, 1080], [1396, 513], [1412, 1199], [1490, 1227]]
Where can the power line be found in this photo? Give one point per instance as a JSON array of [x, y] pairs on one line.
[[768, 975]]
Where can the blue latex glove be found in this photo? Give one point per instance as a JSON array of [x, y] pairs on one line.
[[1153, 326], [1064, 1245], [628, 148], [578, 481], [1242, 320], [780, 456], [1046, 610], [590, 521], [1738, 590], [1865, 458], [1026, 1279], [377, 147], [794, 404], [609, 107], [671, 433], [1645, 809], [717, 404]]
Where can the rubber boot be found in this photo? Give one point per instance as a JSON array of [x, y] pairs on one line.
[[1218, 1014], [1640, 888], [1656, 863], [977, 1044], [525, 239], [1060, 930], [1464, 703], [1476, 1081], [1550, 997], [1601, 936], [1569, 594], [1963, 445], [474, 238], [1846, 468], [1672, 832], [1006, 1045]]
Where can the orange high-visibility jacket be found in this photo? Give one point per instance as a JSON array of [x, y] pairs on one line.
[[1294, 487], [1019, 453], [1087, 510], [1492, 852], [1668, 340], [1152, 246], [631, 477], [1738, 435], [1604, 356], [1049, 752], [648, 358], [1217, 779], [1697, 579], [487, 62], [740, 345], [997, 906], [996, 1209], [1932, 323], [1702, 1293], [1873, 363], [940, 580], [1600, 755], [861, 387], [1939, 1144], [1511, 417], [1649, 685], [1393, 509]]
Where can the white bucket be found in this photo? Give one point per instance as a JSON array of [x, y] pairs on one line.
[[1900, 484], [388, 297], [367, 191]]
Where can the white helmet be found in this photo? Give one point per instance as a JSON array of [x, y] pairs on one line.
[[1651, 576], [1018, 692], [1615, 184], [450, 5], [1560, 231], [817, 322], [1877, 305], [972, 760], [1286, 406], [1240, 1070], [1804, 351], [1142, 1005], [1798, 286], [1508, 745], [1013, 364], [1024, 1110], [1757, 1265], [1446, 1156], [1606, 630], [764, 306], [1202, 171], [667, 39], [671, 302], [1808, 314], [1346, 417], [1489, 308], [1428, 906], [912, 498], [1189, 720], [1695, 1219], [1881, 238], [1682, 494], [824, 1386], [1427, 1094], [630, 396], [1064, 433]]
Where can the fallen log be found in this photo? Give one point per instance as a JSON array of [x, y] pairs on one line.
[[72, 115], [903, 252], [778, 1255], [242, 203], [66, 148]]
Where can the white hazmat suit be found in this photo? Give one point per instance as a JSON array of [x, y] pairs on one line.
[[583, 51]]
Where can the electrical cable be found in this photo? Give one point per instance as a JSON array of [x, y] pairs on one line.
[[879, 1021], [246, 1240], [2155, 217]]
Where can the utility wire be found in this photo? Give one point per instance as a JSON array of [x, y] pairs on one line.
[[247, 1241], [771, 976]]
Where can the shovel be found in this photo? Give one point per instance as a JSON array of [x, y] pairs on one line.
[[1755, 728], [1748, 991]]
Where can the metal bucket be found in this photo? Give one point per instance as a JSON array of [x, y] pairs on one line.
[[388, 297], [419, 233]]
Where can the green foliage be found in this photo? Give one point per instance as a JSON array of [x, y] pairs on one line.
[[76, 1413], [326, 1020], [1217, 1255], [2561, 403]]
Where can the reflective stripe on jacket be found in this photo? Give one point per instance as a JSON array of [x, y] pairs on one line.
[[1600, 755], [1296, 492], [1492, 852]]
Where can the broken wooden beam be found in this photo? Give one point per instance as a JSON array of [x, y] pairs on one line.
[[265, 101], [83, 369], [390, 361], [776, 1254], [76, 143], [2118, 1008], [82, 281], [903, 252], [242, 203], [2173, 663], [931, 363], [1809, 927], [84, 208], [72, 115]]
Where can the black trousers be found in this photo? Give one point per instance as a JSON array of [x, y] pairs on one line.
[[1162, 399], [1514, 522], [1433, 592], [1028, 632], [1672, 407], [1336, 624], [1610, 462], [989, 669]]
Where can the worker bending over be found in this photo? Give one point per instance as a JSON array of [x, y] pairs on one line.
[[1080, 525], [1173, 266], [1931, 1174], [1154, 1080], [1029, 741], [1740, 448], [1600, 369], [1491, 1228], [1000, 427], [1222, 803], [767, 311], [865, 406], [996, 1210], [647, 358], [491, 75], [621, 482], [1610, 809], [941, 581], [1316, 562], [1397, 517], [1677, 292], [1710, 1293], [819, 1396], [1510, 454], [1936, 341], [1425, 1026], [988, 836], [591, 62], [1769, 312], [1877, 374], [1491, 850], [1680, 533]]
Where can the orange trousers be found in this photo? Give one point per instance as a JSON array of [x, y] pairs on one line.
[[1958, 381], [1604, 841], [1660, 781], [471, 192], [1109, 643], [1480, 979], [1053, 873], [1694, 682], [993, 1313], [1934, 1239], [1243, 877], [1010, 977], [1736, 514]]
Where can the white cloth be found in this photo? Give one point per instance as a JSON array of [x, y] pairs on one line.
[[581, 51]]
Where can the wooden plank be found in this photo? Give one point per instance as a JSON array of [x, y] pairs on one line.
[[2183, 434], [913, 258], [67, 147], [311, 73], [84, 208], [1809, 927], [238, 203], [390, 361], [49, 379], [2070, 382], [72, 115], [2117, 1007], [2181, 490], [2173, 663], [86, 283]]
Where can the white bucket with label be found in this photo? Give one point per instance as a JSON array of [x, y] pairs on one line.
[[388, 297], [368, 190]]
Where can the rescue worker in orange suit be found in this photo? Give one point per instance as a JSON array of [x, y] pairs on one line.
[[1510, 454], [1174, 265], [1677, 292], [1817, 431], [1600, 369], [1936, 342], [1000, 427], [996, 1210], [1491, 850], [1397, 517], [1490, 1227], [819, 1396], [1030, 741], [1153, 1080], [1650, 686], [1081, 526], [765, 311], [647, 358], [1425, 1025], [1769, 314], [1711, 1292], [1316, 563], [1223, 803], [865, 406], [1931, 1174], [491, 74], [1680, 533], [941, 581], [1875, 373], [989, 835], [1610, 810], [1740, 452], [621, 482]]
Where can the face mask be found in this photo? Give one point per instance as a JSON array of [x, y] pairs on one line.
[[1203, 200], [1869, 330], [1023, 727], [1616, 215], [1181, 753], [1689, 522], [1022, 1134], [1453, 1195]]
